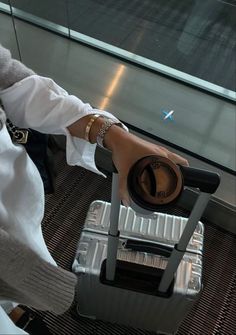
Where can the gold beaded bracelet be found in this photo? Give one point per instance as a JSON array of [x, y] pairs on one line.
[[89, 125]]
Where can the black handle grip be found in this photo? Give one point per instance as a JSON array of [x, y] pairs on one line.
[[154, 248], [206, 181]]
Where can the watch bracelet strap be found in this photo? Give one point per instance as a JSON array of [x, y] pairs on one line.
[[103, 130]]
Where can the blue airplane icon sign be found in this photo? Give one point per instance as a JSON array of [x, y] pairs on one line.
[[168, 115]]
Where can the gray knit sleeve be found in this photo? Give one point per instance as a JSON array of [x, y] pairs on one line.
[[28, 279], [11, 70]]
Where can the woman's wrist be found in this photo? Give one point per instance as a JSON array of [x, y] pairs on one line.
[[115, 136], [111, 133], [89, 131]]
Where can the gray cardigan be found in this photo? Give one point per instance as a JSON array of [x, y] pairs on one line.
[[24, 276]]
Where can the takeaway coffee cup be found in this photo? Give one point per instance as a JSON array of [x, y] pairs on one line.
[[154, 182]]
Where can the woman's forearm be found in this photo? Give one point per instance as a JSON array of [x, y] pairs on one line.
[[111, 137]]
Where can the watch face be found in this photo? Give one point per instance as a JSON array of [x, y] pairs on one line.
[[155, 181]]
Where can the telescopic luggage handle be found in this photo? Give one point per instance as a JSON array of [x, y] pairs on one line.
[[206, 181]]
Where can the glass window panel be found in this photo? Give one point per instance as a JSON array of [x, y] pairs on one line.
[[193, 36], [7, 35], [53, 10]]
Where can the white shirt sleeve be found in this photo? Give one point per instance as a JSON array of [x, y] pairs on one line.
[[39, 103]]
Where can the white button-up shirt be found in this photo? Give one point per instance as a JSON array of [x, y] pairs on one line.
[[38, 103]]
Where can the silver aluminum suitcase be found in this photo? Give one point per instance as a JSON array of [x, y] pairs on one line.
[[156, 227], [142, 278], [125, 306]]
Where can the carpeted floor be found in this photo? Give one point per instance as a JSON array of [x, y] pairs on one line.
[[76, 188]]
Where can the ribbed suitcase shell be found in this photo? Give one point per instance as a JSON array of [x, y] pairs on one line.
[[109, 303], [164, 228]]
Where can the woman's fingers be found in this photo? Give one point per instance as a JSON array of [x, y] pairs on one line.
[[177, 159], [124, 156]]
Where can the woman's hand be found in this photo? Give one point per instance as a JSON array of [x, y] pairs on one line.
[[127, 149]]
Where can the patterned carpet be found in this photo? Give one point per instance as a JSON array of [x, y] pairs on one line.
[[76, 188]]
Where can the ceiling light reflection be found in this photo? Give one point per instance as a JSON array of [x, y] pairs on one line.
[[112, 87]]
